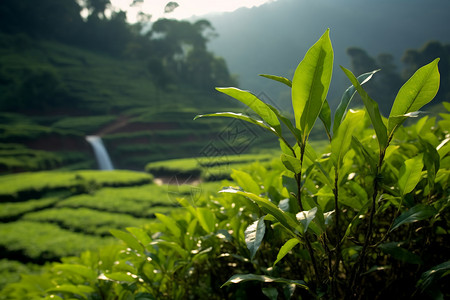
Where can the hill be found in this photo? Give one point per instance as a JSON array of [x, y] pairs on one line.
[[54, 94]]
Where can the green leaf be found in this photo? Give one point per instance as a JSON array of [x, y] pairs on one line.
[[347, 98], [396, 251], [415, 93], [238, 278], [410, 174], [433, 275], [305, 217], [255, 104], [239, 116], [372, 110], [291, 163], [172, 246], [80, 290], [431, 161], [278, 78], [417, 213], [343, 137], [128, 239], [268, 207], [80, 270], [284, 250], [245, 181], [118, 276], [140, 235], [311, 83], [325, 116], [207, 219], [254, 235], [366, 152], [170, 223]]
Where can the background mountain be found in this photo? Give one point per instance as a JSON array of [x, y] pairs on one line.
[[274, 37], [63, 77]]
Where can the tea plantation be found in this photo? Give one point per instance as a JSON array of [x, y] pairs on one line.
[[49, 215]]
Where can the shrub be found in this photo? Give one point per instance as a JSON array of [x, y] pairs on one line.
[[368, 219]]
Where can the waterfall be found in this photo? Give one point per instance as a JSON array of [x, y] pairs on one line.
[[103, 160]]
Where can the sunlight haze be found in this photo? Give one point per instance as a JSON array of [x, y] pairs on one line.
[[186, 9]]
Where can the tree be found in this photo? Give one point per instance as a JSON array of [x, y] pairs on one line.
[[97, 8], [50, 19], [181, 47]]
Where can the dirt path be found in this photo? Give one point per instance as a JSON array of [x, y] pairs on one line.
[[119, 123]]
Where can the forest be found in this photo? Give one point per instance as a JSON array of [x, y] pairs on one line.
[[302, 191]]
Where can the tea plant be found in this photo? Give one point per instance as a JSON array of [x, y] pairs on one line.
[[368, 219], [345, 207]]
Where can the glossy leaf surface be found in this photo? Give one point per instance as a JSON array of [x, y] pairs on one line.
[[415, 93], [254, 235], [311, 83]]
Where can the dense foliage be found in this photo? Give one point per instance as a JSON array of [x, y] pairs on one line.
[[366, 219], [174, 52]]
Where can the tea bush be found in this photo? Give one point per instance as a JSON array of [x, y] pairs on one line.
[[368, 219], [17, 187], [85, 220], [42, 242]]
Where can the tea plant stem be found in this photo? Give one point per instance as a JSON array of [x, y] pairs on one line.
[[298, 178], [328, 252], [335, 270], [359, 265]]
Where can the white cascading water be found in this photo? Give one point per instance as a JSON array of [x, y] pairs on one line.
[[103, 160]]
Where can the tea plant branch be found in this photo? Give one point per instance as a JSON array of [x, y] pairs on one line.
[[360, 263], [334, 271], [298, 178]]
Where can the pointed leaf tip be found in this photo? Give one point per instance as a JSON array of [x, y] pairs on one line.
[[419, 90], [311, 83]]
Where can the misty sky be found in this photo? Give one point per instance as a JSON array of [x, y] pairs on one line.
[[186, 9]]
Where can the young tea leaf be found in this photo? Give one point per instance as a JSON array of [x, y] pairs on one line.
[[253, 102], [410, 174], [268, 207], [286, 248], [170, 224], [254, 235], [278, 78], [343, 137], [305, 217], [206, 218], [415, 93], [128, 239], [80, 270], [311, 83], [347, 98], [245, 181], [372, 110], [238, 116], [291, 163]]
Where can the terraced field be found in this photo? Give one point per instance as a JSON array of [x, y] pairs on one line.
[[48, 215]]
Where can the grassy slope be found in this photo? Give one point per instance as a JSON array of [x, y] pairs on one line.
[[47, 215], [148, 123]]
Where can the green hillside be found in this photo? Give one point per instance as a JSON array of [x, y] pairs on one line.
[[54, 94]]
